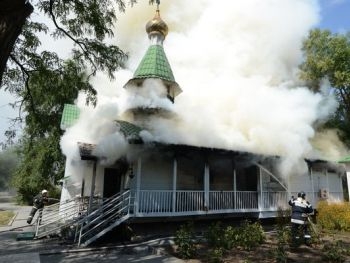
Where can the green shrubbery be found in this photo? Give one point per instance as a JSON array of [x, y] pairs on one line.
[[334, 216], [335, 252], [219, 239], [184, 239]]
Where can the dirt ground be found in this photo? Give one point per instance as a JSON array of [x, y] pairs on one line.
[[266, 252]]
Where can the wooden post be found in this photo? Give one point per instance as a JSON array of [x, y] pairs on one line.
[[174, 185], [206, 186]]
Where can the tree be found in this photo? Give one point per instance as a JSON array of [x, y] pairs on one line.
[[327, 56], [13, 15], [43, 82], [42, 163]]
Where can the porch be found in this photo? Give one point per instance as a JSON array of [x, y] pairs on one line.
[[157, 203], [153, 203]]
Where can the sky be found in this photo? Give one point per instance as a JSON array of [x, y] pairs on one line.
[[335, 15], [331, 15]]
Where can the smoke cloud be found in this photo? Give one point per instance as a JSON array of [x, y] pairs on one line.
[[237, 64]]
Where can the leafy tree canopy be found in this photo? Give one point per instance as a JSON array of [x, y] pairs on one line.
[[327, 56], [42, 81]]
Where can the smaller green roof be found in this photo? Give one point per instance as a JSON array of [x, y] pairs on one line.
[[130, 131], [345, 160], [69, 116], [155, 64]]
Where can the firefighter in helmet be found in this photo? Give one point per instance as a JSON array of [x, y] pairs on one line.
[[39, 201], [300, 212]]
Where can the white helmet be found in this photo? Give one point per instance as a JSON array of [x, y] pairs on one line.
[[44, 192]]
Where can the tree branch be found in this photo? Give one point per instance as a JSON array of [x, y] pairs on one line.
[[79, 43], [26, 77]]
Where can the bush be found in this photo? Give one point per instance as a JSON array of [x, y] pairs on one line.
[[334, 216], [247, 236], [216, 235], [335, 252], [215, 255], [184, 239], [251, 235], [283, 235]]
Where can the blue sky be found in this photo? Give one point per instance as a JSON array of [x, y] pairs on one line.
[[335, 15]]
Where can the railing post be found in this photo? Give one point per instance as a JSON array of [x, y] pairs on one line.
[[206, 186], [174, 185], [260, 193]]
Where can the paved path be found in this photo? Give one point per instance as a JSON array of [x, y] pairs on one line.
[[53, 250]]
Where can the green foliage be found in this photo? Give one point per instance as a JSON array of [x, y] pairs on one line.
[[215, 255], [334, 216], [251, 235], [335, 252], [216, 235], [327, 56], [231, 237], [42, 81], [283, 235], [42, 163], [184, 239], [247, 236]]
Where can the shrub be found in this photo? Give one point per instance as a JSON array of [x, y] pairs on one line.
[[215, 255], [231, 237], [334, 216], [247, 236], [216, 235], [251, 235], [335, 252], [184, 239], [283, 235]]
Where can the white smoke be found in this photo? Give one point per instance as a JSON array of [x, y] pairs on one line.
[[237, 64]]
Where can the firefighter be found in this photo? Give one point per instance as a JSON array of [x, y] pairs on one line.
[[38, 204], [299, 219]]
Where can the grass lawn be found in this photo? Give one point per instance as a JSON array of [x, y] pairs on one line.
[[5, 217]]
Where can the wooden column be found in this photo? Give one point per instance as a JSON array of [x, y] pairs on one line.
[[174, 185]]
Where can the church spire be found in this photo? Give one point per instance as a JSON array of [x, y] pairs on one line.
[[155, 64]]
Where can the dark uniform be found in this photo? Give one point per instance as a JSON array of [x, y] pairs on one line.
[[38, 203], [300, 211]]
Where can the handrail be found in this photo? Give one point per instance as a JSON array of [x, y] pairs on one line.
[[53, 217], [113, 211]]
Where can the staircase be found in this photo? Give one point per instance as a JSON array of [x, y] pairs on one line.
[[72, 217], [110, 214], [56, 217]]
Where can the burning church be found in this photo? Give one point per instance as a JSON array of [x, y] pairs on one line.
[[136, 171]]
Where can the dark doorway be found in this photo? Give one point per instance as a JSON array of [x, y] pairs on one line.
[[247, 178], [112, 181]]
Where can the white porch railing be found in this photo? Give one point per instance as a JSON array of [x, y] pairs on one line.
[[161, 203], [189, 201], [158, 203]]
